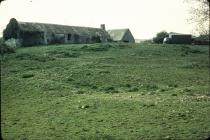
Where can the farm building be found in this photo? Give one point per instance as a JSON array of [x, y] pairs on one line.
[[41, 33], [121, 35], [178, 38]]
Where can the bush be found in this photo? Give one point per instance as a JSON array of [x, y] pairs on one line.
[[4, 48], [201, 40], [14, 43], [160, 36]]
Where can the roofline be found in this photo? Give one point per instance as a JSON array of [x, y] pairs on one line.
[[57, 25], [118, 29], [173, 33]]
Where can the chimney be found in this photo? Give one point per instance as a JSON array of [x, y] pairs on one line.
[[103, 26]]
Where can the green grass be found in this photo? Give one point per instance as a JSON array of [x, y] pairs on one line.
[[106, 91]]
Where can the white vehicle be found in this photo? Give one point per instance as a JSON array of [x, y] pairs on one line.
[[166, 40]]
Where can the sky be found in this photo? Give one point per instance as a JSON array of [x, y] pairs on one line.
[[143, 17]]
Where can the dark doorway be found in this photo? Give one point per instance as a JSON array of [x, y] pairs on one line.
[[69, 36]]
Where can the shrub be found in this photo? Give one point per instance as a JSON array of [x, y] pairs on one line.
[[4, 48], [201, 40], [160, 36], [14, 43]]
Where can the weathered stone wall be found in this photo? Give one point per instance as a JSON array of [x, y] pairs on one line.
[[43, 38], [32, 38], [74, 38], [53, 38]]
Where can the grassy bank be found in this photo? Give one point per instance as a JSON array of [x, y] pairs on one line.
[[106, 91]]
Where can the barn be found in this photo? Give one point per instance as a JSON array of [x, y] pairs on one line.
[[121, 35], [29, 33]]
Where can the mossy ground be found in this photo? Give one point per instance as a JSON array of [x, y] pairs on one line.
[[106, 91]]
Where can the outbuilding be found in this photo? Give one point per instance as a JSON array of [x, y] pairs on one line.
[[121, 35]]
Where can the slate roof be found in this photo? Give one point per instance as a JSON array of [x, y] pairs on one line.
[[117, 34], [63, 29]]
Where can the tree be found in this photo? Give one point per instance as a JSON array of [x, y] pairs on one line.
[[160, 36], [1, 1], [199, 15]]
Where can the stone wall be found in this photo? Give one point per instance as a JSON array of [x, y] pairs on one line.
[[32, 38], [53, 38]]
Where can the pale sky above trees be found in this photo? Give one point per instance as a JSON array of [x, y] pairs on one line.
[[144, 17]]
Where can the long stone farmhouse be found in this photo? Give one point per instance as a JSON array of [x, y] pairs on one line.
[[28, 34]]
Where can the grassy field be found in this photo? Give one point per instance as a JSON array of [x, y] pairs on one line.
[[105, 91]]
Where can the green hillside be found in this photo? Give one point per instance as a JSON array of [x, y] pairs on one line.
[[105, 91]]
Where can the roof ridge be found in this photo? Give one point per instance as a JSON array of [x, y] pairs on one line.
[[58, 25], [118, 29]]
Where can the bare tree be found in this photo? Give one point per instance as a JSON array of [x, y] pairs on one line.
[[200, 15], [1, 1]]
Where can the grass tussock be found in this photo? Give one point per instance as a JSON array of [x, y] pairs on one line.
[[27, 75]]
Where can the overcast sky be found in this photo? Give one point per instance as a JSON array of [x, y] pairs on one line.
[[143, 17]]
